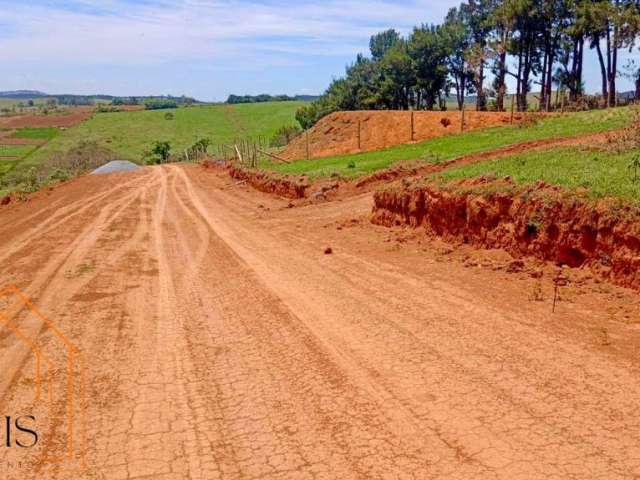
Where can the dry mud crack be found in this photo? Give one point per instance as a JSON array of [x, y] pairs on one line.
[[221, 342]]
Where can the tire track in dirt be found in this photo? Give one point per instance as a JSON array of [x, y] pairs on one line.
[[222, 343]]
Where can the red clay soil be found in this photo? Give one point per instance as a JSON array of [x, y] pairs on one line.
[[541, 221], [75, 116], [268, 182], [337, 133], [222, 342]]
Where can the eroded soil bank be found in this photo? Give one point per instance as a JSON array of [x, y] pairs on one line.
[[268, 182], [542, 221]]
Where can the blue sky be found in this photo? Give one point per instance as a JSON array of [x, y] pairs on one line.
[[203, 48]]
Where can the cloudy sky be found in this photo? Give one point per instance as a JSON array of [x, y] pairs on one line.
[[202, 48]]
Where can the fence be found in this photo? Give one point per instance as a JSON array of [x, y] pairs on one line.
[[246, 152]]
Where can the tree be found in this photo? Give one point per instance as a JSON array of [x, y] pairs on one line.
[[477, 16], [381, 43], [162, 150], [611, 26], [455, 37], [429, 56], [397, 78], [503, 22]]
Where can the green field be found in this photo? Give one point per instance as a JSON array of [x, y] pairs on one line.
[[130, 134], [16, 150], [444, 148], [46, 133], [601, 173]]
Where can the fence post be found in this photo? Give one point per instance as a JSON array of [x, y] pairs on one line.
[[513, 106], [413, 125], [359, 134], [308, 152], [462, 119]]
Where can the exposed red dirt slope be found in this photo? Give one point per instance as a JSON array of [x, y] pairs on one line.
[[541, 221], [337, 133], [269, 182]]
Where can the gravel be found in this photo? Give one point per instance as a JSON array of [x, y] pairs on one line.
[[116, 166]]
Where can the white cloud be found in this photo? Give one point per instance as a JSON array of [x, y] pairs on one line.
[[122, 33]]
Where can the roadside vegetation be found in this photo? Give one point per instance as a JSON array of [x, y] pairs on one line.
[[130, 134], [609, 170], [600, 173], [142, 136], [449, 147]]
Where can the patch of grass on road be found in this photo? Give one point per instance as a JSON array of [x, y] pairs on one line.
[[601, 173], [444, 148]]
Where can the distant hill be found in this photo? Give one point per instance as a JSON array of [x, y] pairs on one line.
[[236, 99], [71, 99], [23, 94]]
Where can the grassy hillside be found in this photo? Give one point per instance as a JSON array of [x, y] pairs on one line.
[[129, 134], [453, 146], [601, 173]]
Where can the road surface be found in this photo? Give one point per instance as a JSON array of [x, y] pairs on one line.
[[220, 341]]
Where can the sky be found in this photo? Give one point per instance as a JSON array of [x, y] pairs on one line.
[[207, 49]]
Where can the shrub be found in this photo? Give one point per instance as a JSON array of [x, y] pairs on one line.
[[307, 115], [198, 149], [162, 150], [284, 135]]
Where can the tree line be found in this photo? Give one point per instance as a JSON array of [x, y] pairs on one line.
[[540, 44], [263, 98]]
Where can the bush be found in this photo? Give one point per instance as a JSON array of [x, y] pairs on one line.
[[198, 149], [162, 150], [307, 116], [284, 135]]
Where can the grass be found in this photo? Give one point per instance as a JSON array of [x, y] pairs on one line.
[[603, 174], [5, 166], [130, 134], [444, 148], [46, 133], [16, 150]]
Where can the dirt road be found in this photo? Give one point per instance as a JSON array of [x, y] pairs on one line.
[[221, 342]]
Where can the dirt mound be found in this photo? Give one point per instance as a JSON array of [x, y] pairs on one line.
[[542, 221], [351, 132], [268, 182]]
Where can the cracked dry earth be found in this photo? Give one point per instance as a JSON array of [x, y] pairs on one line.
[[221, 342]]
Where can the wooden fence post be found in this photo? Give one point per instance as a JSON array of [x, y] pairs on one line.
[[513, 106], [462, 119], [413, 125], [308, 152], [359, 134]]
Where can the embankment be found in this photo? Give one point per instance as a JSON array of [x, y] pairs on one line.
[[341, 133], [269, 182], [541, 221]]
